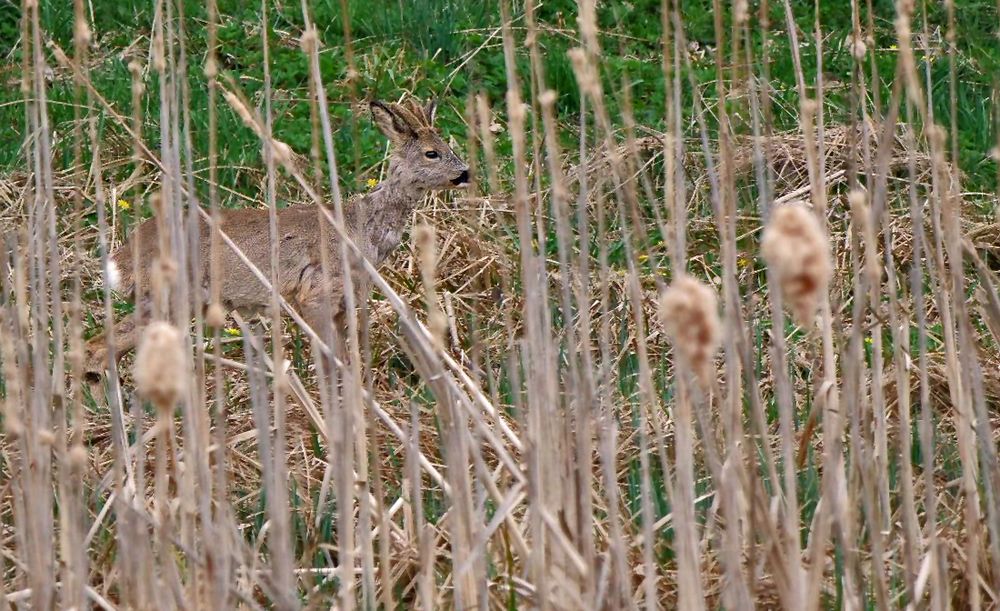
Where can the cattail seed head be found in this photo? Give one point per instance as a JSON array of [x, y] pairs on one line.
[[46, 437], [857, 199], [164, 273], [809, 109], [76, 458], [423, 237], [308, 40], [797, 251], [135, 68], [547, 98], [282, 152], [241, 109], [690, 317], [14, 428], [81, 32], [936, 135], [741, 11], [859, 49], [215, 316], [159, 60], [160, 371]]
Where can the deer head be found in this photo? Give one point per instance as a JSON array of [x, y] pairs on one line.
[[419, 157]]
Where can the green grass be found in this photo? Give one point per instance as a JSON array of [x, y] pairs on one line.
[[417, 50]]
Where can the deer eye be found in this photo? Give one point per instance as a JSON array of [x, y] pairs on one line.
[[431, 155]]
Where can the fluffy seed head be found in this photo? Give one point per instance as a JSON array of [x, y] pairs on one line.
[[215, 316], [160, 372], [308, 40], [741, 11], [857, 46], [76, 458], [798, 253], [690, 317], [46, 437]]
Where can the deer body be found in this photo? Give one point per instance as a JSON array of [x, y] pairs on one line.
[[419, 162]]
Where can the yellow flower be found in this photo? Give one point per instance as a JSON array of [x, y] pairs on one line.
[[232, 332], [868, 341], [123, 204], [371, 183], [893, 47], [742, 262]]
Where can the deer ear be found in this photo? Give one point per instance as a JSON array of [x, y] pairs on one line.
[[390, 122], [430, 110]]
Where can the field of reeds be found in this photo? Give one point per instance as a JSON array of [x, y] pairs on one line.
[[716, 324]]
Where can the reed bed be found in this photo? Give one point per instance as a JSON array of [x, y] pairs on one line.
[[709, 362]]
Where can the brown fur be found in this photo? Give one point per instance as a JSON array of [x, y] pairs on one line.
[[375, 222]]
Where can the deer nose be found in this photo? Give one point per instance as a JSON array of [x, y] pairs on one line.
[[462, 179]]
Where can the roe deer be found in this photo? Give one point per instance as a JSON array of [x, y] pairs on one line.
[[419, 162]]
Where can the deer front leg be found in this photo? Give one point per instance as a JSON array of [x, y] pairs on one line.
[[321, 305], [126, 335]]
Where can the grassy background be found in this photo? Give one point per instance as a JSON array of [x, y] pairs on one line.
[[418, 46]]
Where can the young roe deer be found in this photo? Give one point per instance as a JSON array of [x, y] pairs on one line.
[[419, 161]]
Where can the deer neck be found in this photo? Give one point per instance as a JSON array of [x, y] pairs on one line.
[[387, 212]]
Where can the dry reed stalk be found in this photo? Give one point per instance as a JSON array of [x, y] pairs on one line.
[[326, 374], [197, 522], [169, 288], [723, 200], [417, 339], [45, 312], [761, 122], [352, 82], [970, 365], [867, 405], [938, 569], [134, 566], [732, 477], [586, 401], [798, 268], [275, 465], [533, 355], [14, 351], [74, 457], [422, 530], [690, 588], [573, 461], [464, 524], [219, 557], [835, 484]]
